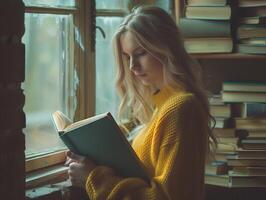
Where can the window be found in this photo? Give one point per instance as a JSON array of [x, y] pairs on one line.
[[55, 59], [61, 73]]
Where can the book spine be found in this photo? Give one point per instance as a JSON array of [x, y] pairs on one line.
[[204, 28], [69, 144], [254, 109]]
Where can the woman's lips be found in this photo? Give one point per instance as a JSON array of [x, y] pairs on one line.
[[140, 75]]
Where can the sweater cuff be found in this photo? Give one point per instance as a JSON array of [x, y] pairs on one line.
[[101, 181]]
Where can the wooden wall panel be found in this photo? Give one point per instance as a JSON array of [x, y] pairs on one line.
[[12, 100]]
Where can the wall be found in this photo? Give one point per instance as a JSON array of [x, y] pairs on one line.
[[12, 117]]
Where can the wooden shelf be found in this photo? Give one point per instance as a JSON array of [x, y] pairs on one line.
[[228, 56]]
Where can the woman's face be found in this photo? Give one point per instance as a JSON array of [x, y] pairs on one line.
[[143, 65]]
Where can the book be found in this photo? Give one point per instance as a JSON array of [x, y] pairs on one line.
[[235, 181], [216, 99], [227, 140], [253, 110], [209, 45], [249, 171], [251, 30], [244, 86], [216, 167], [253, 11], [251, 3], [251, 49], [222, 148], [252, 123], [221, 122], [252, 97], [207, 12], [261, 41], [246, 161], [100, 139], [204, 28], [220, 110], [253, 20], [254, 144], [224, 132], [222, 156], [256, 134], [244, 153], [206, 2]]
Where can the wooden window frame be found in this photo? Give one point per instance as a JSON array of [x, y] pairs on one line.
[[84, 59], [85, 66]]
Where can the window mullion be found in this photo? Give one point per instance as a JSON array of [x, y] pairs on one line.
[[85, 60], [51, 10], [110, 13]]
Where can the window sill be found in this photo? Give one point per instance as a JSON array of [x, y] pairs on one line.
[[46, 176], [43, 161], [58, 191]]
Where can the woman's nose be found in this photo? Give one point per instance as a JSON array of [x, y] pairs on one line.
[[133, 64]]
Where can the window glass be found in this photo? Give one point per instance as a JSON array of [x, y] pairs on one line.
[[106, 97], [47, 40], [164, 4], [49, 2], [128, 4], [114, 4]]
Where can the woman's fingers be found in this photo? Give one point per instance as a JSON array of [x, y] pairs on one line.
[[75, 157], [68, 161]]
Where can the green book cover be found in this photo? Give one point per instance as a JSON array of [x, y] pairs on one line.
[[204, 28], [100, 139]]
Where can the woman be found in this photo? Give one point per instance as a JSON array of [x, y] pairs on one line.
[[160, 88]]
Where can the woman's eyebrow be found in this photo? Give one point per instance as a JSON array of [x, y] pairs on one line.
[[136, 49]]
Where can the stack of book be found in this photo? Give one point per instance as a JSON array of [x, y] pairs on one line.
[[244, 92], [227, 141], [247, 166], [206, 26], [249, 163], [220, 111], [251, 33]]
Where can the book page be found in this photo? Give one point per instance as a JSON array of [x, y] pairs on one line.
[[61, 121], [84, 121]]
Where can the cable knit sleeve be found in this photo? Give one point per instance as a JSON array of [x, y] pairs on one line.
[[171, 148]]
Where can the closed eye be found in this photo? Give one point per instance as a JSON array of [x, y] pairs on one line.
[[140, 53]]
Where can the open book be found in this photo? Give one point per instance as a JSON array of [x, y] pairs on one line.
[[100, 139]]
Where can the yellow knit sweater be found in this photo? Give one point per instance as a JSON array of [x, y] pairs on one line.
[[172, 147]]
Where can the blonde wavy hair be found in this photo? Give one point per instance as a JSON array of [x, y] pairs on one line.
[[156, 32]]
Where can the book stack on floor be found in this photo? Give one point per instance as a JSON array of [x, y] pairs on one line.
[[226, 138], [251, 33], [206, 26], [248, 165], [224, 131]]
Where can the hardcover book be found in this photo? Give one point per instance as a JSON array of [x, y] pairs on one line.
[[216, 167], [251, 123], [251, 49], [253, 110], [244, 86], [235, 181], [206, 2], [204, 28], [100, 139], [253, 97], [209, 45], [206, 12], [220, 110]]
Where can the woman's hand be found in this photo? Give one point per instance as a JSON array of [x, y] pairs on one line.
[[79, 169]]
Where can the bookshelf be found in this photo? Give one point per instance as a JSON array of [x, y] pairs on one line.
[[220, 67], [228, 56]]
